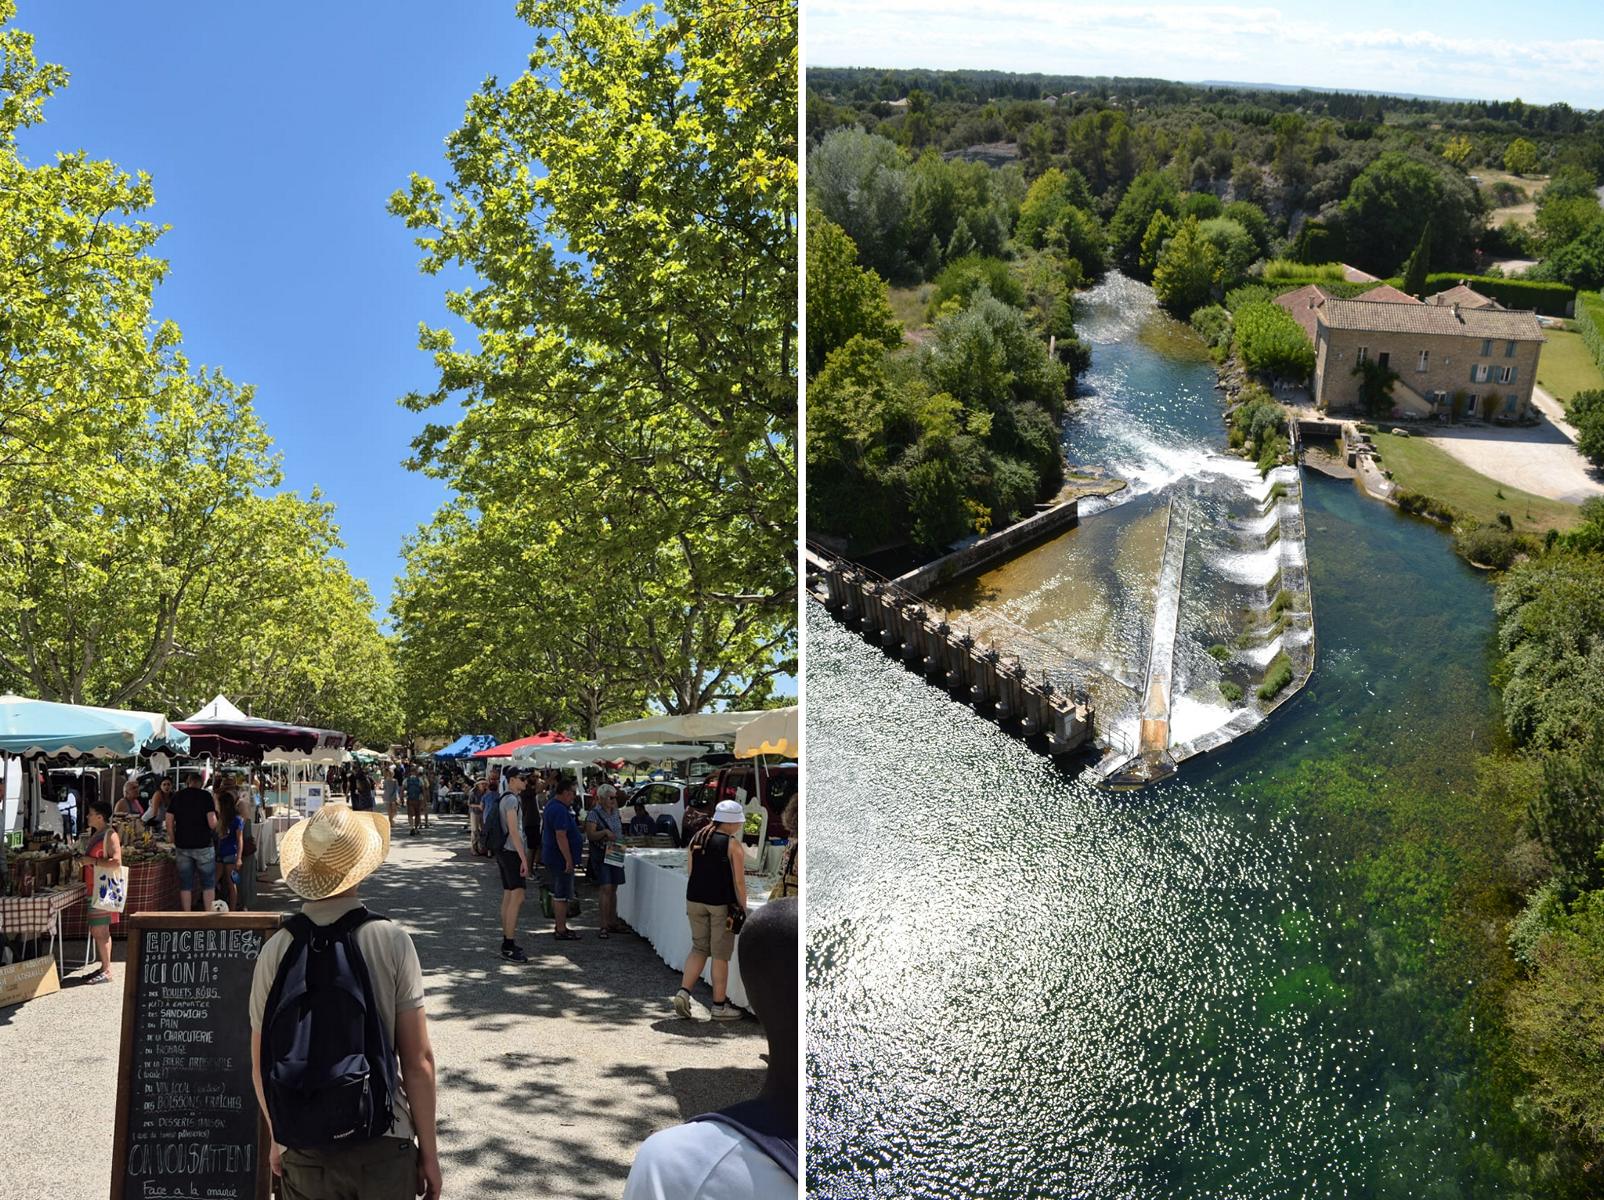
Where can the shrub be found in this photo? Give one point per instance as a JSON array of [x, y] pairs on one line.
[[1550, 299], [1543, 909], [1420, 505], [1590, 320], [963, 277], [1488, 546], [1214, 324], [1249, 293], [1231, 691], [1277, 491], [1278, 269], [1219, 653], [1277, 677], [1270, 340]]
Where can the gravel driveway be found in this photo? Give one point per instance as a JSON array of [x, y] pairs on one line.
[[1541, 459]]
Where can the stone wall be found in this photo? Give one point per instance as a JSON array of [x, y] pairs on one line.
[[988, 549]]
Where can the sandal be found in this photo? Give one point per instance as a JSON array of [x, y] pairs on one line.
[[566, 936], [602, 934]]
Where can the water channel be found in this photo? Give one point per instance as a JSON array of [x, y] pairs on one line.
[[1246, 982]]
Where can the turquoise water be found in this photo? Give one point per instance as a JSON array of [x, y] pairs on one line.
[[1225, 986]]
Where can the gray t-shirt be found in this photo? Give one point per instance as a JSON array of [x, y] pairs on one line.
[[512, 822], [393, 967]]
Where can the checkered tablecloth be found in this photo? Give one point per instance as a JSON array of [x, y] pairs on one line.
[[23, 915], [152, 887]]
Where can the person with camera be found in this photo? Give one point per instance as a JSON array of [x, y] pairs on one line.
[[715, 904]]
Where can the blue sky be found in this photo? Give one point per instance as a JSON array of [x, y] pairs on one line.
[[1543, 52], [274, 135]]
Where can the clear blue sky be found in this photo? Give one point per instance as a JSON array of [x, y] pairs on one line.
[[1543, 52], [274, 135]]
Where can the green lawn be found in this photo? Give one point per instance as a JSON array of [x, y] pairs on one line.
[[1565, 367], [1421, 467]]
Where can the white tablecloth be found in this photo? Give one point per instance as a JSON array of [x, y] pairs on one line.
[[652, 900], [266, 835]]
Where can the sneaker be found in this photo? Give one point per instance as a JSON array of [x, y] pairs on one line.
[[725, 1011], [99, 977], [514, 953], [686, 1005]]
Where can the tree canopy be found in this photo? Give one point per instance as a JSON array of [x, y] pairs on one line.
[[628, 411]]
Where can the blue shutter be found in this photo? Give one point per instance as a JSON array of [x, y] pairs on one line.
[[1473, 372]]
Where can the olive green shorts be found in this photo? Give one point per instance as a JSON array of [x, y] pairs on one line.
[[383, 1169]]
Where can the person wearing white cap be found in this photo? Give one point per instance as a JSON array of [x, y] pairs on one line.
[[324, 859], [715, 904]]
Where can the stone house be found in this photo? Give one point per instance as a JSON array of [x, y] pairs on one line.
[[1437, 350]]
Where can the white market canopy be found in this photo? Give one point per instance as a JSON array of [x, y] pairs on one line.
[[582, 754], [774, 732], [702, 727]]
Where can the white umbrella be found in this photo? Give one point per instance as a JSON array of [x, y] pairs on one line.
[[774, 732], [579, 754], [720, 727]]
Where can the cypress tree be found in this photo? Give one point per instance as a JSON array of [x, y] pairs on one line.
[[1419, 264]]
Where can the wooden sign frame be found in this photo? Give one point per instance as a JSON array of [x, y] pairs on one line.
[[267, 924]]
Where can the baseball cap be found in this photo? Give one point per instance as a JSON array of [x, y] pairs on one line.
[[512, 772], [728, 810]]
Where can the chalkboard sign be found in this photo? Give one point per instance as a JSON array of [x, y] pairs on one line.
[[188, 1124]]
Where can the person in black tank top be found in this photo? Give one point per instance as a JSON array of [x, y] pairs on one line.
[[716, 861]]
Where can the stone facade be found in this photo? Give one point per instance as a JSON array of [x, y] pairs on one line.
[[1489, 354]]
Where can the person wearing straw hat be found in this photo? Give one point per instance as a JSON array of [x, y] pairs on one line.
[[324, 859]]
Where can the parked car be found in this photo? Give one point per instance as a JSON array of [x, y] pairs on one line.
[[661, 796], [772, 786]]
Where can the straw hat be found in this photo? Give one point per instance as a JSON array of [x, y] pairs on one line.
[[333, 850]]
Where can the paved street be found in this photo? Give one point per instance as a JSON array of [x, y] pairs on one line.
[[551, 1073]]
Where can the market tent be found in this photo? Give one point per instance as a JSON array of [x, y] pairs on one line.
[[712, 727], [466, 745], [221, 729], [582, 754], [47, 728], [507, 750], [774, 732]]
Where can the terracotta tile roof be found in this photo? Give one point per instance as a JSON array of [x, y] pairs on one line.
[[1387, 294], [1355, 275], [1382, 317], [1303, 304], [1464, 296]]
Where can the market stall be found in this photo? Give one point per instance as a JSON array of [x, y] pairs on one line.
[[222, 729], [506, 752], [652, 902]]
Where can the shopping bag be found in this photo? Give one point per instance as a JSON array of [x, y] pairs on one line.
[[111, 889]]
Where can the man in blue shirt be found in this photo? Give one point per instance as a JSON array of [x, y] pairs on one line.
[[560, 841]]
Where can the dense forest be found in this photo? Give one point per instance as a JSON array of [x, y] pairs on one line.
[[951, 218]]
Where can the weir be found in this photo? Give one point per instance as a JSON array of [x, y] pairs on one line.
[[999, 685]]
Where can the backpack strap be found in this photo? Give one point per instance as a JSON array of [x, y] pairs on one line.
[[764, 1126]]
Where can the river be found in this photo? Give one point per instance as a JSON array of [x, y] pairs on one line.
[[1261, 979]]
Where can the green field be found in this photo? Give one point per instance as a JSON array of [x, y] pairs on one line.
[[1421, 467], [1565, 367]]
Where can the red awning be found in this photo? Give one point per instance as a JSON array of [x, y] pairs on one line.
[[544, 738]]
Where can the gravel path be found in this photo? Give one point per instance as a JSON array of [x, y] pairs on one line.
[[1540, 459], [551, 1073]]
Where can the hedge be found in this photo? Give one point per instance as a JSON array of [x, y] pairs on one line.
[[1550, 299], [1270, 341], [1590, 320]]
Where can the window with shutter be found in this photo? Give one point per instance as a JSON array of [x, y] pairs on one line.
[[1509, 350], [1486, 346], [1425, 355]]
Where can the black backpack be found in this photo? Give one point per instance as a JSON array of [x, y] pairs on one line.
[[493, 830], [328, 1067], [764, 1126]]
